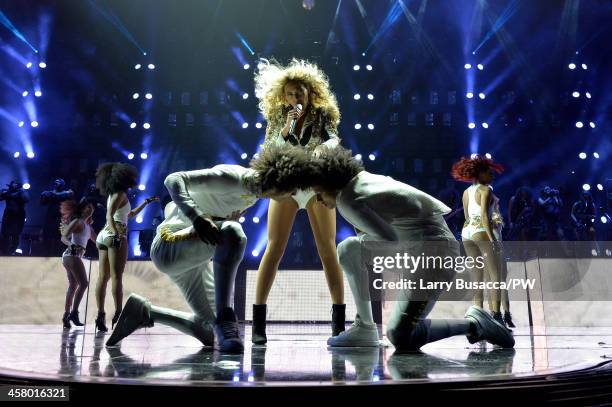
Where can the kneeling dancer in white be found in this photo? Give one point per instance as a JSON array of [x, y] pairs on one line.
[[384, 209], [200, 228]]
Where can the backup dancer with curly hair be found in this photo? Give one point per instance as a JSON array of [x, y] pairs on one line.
[[383, 209], [113, 180], [300, 109], [199, 245], [483, 223], [76, 232]]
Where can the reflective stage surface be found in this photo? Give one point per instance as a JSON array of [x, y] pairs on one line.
[[295, 354]]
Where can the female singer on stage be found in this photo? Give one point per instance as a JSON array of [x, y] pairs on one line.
[[113, 180], [76, 232], [300, 109]]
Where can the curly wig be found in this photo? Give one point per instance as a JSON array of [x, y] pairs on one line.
[[283, 168], [334, 169], [115, 177], [467, 169], [270, 81], [72, 209]]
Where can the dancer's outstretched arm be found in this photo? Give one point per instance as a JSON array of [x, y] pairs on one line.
[[140, 207]]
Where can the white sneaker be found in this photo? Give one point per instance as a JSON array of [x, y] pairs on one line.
[[359, 334]]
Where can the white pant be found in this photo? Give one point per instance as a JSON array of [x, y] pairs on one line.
[[189, 265], [349, 254]]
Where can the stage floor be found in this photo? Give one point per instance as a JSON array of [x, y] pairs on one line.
[[296, 354]]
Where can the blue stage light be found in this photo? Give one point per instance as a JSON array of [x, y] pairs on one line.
[[38, 93], [255, 253], [369, 67], [144, 156], [245, 96], [467, 66], [358, 157], [489, 156], [258, 125], [44, 65], [586, 187], [255, 219], [370, 96], [356, 67], [34, 123], [600, 187], [485, 125], [31, 155], [244, 156], [142, 187], [16, 155], [604, 219], [372, 157], [21, 124], [480, 67], [472, 125], [149, 96], [130, 156], [356, 96], [245, 125], [592, 124], [357, 126], [146, 126], [481, 95], [572, 66], [29, 65], [136, 95], [246, 66], [25, 93], [576, 94], [588, 95], [242, 219], [469, 95], [26, 186], [151, 66], [596, 154], [579, 125], [370, 126], [584, 66], [139, 219], [582, 156], [137, 66]]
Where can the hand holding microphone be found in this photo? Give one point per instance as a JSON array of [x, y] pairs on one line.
[[292, 118]]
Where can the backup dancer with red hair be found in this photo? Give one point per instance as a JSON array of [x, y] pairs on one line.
[[483, 221]]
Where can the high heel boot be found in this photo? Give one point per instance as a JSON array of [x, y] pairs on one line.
[[100, 323], [258, 335]]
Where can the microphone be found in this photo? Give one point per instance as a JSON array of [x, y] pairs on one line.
[[294, 121]]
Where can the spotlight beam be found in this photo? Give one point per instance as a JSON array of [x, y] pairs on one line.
[[115, 21], [502, 19], [388, 22], [7, 23], [333, 26], [423, 39], [244, 42]]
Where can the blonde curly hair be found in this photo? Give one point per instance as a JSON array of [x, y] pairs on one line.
[[271, 78]]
